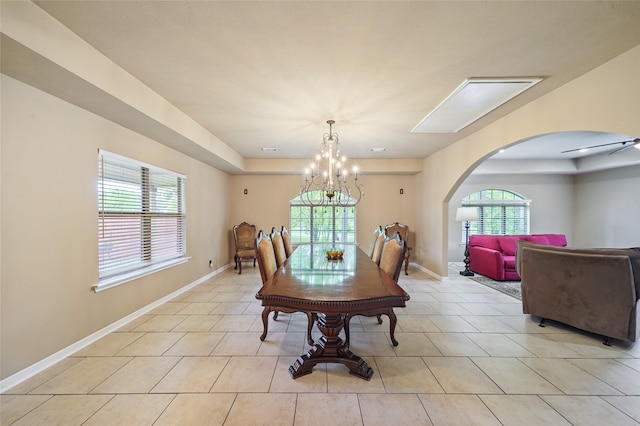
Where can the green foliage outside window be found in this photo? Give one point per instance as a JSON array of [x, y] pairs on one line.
[[324, 224]]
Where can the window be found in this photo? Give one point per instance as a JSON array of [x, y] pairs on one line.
[[141, 219], [326, 224], [500, 212]]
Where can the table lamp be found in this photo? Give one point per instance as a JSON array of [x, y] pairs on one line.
[[466, 214]]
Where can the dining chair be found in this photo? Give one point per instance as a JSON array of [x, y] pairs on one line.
[[286, 238], [377, 248], [244, 236], [391, 259], [403, 230], [376, 233], [278, 246], [266, 256], [268, 266]]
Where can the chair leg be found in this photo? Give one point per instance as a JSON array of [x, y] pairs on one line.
[[265, 322], [379, 316], [392, 325], [312, 318], [235, 258], [406, 267], [254, 262], [240, 263]]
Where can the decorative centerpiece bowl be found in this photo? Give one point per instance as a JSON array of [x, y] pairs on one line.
[[334, 254]]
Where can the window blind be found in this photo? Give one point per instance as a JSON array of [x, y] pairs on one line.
[[500, 212], [141, 215]]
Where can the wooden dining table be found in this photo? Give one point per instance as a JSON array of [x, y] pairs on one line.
[[330, 290]]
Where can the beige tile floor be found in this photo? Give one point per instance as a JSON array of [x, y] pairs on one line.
[[467, 356]]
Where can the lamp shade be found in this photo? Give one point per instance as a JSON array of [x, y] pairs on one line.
[[464, 214]]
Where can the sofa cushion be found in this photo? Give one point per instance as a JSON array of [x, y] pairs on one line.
[[558, 240], [510, 263], [488, 241], [538, 239], [508, 245]]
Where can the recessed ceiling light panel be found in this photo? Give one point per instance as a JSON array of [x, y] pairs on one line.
[[377, 149], [473, 99], [269, 149]]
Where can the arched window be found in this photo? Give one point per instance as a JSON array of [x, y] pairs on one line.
[[324, 224], [500, 212]]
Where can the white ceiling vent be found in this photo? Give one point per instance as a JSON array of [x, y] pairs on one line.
[[473, 99]]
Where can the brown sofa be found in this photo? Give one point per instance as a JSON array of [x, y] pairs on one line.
[[595, 290]]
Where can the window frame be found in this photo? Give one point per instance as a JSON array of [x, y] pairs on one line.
[[138, 218], [348, 236], [514, 201]]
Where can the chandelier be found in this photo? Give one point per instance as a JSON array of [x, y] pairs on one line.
[[327, 180]]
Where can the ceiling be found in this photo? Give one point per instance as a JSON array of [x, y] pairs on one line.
[[269, 74]]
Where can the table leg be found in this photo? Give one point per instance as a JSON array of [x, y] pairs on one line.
[[330, 348]]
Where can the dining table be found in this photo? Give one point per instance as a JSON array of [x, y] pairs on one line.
[[310, 282]]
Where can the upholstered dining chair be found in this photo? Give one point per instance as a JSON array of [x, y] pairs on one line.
[[278, 246], [403, 230], [391, 259], [268, 266], [286, 238], [377, 247], [266, 256], [376, 234], [244, 236]]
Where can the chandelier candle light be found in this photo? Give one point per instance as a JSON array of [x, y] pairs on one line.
[[328, 175]]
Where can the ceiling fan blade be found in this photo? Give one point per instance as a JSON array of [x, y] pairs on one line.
[[635, 141], [625, 146], [593, 146]]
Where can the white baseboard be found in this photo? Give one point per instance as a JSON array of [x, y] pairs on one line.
[[428, 271], [47, 362]]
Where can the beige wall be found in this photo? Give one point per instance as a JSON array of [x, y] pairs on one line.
[[607, 203], [267, 202], [606, 99], [49, 217]]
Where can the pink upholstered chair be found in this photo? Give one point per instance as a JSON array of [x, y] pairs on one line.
[[391, 259]]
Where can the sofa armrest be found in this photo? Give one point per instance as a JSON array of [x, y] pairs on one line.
[[487, 262]]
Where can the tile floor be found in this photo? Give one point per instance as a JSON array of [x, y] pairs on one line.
[[467, 356]]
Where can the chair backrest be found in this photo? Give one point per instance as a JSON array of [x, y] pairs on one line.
[[376, 232], [266, 256], [244, 236], [403, 230], [286, 238], [377, 248], [392, 255], [278, 246]]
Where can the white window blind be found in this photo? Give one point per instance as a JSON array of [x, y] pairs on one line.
[[500, 212], [141, 215]]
